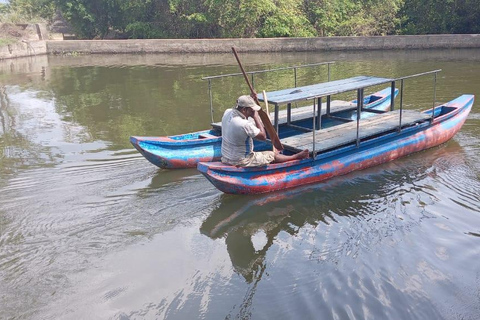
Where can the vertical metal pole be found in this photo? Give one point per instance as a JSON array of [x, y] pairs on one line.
[[359, 108], [313, 125], [295, 79], [361, 101], [276, 117], [401, 105], [319, 120], [328, 69], [295, 76], [392, 97], [434, 94], [211, 98], [289, 113], [329, 100]]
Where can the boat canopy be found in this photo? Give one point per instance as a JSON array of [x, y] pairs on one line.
[[316, 92], [319, 90], [337, 136]]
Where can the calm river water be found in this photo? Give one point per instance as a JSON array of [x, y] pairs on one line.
[[89, 229]]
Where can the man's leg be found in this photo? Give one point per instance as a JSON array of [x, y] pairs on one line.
[[284, 158]]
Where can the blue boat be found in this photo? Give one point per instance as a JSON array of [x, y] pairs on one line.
[[187, 150], [348, 147]]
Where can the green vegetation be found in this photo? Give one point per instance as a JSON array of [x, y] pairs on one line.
[[26, 11], [93, 19], [4, 42]]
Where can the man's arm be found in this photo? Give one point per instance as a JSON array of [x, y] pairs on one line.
[[258, 123]]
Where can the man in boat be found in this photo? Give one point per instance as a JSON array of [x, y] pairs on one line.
[[238, 129]]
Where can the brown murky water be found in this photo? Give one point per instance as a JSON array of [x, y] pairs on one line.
[[89, 229]]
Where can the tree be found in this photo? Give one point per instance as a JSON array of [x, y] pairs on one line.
[[93, 19], [440, 16], [353, 18], [31, 10], [287, 19]]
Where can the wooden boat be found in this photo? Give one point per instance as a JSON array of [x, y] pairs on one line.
[[344, 148], [186, 150]]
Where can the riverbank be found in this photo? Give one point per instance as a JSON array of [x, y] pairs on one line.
[[266, 44], [144, 46]]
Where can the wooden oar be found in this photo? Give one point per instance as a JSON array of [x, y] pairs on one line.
[[268, 112], [263, 116]]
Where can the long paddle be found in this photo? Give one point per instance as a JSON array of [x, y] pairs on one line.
[[266, 108], [263, 116]]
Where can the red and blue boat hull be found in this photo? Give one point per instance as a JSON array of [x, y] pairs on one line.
[[448, 120], [181, 151], [187, 150]]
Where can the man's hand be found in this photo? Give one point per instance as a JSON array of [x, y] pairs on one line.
[[258, 122]]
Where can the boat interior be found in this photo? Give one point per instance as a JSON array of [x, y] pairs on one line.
[[304, 127]]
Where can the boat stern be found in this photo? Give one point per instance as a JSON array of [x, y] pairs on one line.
[[178, 153]]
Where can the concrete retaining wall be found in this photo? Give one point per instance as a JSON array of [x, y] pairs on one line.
[[264, 45], [24, 48], [29, 40], [32, 47]]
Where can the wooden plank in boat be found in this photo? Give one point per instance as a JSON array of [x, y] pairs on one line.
[[346, 133], [302, 113], [207, 136]]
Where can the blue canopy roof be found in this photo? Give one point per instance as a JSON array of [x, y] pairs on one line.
[[321, 89]]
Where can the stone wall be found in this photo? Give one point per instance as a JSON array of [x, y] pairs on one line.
[[23, 48], [27, 40], [36, 47], [264, 45]]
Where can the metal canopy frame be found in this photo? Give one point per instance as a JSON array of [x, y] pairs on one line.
[[318, 91], [325, 90], [253, 73]]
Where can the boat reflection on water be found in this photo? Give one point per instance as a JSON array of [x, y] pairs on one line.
[[165, 178], [239, 228], [251, 224]]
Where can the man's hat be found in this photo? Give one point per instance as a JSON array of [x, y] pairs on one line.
[[247, 102]]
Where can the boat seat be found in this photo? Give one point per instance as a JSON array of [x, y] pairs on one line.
[[343, 134]]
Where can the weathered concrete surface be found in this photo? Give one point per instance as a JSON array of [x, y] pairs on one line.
[[30, 47], [24, 48], [264, 45], [27, 40]]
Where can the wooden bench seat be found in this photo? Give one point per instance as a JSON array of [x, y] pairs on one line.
[[346, 133], [207, 136]]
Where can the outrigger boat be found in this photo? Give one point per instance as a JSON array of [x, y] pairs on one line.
[[187, 150], [344, 148]]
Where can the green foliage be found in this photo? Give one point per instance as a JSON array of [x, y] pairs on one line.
[[440, 16], [27, 11], [427, 16], [353, 18], [4, 42], [94, 19], [3, 8], [188, 19], [287, 20], [240, 18], [81, 17], [143, 30], [33, 9], [467, 18]]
